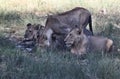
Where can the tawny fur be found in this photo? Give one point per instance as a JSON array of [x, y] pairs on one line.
[[81, 44], [62, 23], [96, 43], [33, 31], [109, 45]]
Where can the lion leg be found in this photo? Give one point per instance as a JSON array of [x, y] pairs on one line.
[[82, 51], [109, 45]]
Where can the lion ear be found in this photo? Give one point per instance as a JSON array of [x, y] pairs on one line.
[[29, 25]]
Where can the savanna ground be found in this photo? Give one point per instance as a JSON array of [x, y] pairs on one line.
[[16, 64]]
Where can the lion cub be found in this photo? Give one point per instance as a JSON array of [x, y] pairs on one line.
[[81, 44]]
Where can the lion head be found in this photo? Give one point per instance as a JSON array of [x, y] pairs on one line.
[[33, 31], [73, 37]]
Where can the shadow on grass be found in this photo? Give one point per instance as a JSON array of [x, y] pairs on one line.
[[5, 43]]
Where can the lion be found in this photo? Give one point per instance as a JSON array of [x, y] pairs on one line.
[[35, 33], [31, 36], [62, 23], [32, 31], [80, 44]]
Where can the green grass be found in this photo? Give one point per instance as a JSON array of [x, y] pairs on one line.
[[53, 64], [15, 64]]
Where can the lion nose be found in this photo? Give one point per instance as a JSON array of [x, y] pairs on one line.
[[65, 40]]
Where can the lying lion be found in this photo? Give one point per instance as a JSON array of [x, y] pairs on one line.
[[81, 44], [31, 36]]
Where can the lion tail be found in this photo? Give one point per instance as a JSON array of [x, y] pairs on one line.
[[90, 24], [109, 45]]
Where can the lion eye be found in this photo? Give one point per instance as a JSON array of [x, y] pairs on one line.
[[70, 34]]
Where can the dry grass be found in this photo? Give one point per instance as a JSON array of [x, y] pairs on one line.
[[46, 6]]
